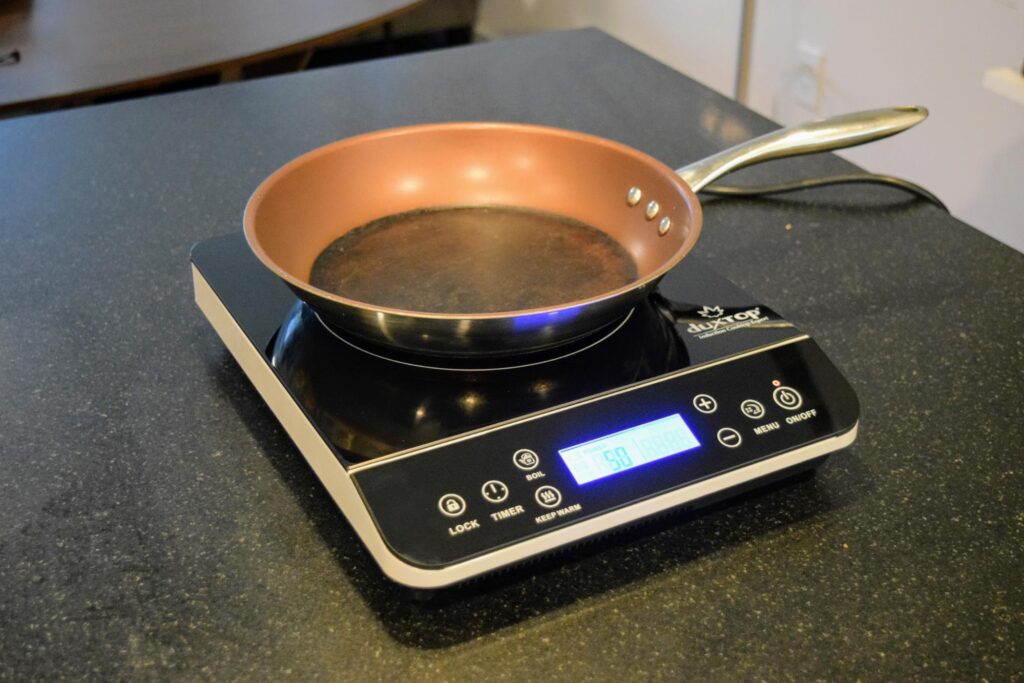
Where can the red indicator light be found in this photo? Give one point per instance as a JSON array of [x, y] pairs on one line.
[[776, 383]]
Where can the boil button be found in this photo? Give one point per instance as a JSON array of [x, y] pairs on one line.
[[525, 459]]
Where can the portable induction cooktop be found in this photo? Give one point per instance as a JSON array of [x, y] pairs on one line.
[[450, 469]]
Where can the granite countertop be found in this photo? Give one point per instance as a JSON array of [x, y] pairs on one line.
[[155, 520]]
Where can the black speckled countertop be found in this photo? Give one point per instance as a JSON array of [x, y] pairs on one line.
[[155, 521]]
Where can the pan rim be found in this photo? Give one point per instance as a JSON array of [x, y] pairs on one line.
[[252, 205]]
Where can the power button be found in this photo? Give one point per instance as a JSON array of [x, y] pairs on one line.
[[788, 398]]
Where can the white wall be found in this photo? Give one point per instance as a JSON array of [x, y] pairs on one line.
[[970, 151], [698, 37], [875, 53]]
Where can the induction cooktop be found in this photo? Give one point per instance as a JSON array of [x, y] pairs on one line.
[[449, 469]]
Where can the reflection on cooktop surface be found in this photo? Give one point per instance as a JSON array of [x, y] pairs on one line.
[[369, 405]]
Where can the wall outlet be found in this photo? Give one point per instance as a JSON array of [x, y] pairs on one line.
[[808, 84]]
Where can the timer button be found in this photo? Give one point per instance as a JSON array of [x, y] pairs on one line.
[[451, 505], [729, 437], [548, 496], [494, 491], [705, 404], [752, 409], [788, 398], [525, 459]]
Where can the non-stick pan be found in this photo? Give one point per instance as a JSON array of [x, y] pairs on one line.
[[495, 238]]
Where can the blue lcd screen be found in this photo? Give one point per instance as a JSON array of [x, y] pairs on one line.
[[629, 448]]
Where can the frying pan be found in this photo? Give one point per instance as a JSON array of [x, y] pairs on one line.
[[644, 217]]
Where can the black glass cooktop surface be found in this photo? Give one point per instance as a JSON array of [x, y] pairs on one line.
[[370, 402]]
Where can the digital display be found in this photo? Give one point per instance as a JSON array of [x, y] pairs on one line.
[[629, 448]]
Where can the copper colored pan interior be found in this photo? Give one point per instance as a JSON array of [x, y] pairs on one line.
[[324, 195]]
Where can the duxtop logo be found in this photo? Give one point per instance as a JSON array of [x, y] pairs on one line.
[[711, 312], [717, 322]]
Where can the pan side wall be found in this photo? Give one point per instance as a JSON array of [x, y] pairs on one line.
[[314, 200]]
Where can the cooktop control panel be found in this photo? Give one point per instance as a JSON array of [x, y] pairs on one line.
[[477, 493], [703, 392]]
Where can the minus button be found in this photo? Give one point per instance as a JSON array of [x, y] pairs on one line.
[[729, 437]]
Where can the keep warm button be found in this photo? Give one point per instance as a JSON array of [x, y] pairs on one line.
[[548, 496]]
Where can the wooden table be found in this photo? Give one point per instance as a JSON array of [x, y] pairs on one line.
[[75, 50]]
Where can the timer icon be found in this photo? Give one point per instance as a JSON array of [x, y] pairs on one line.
[[494, 491]]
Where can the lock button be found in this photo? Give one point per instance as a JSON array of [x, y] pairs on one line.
[[451, 505]]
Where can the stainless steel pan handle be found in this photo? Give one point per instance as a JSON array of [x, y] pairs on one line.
[[837, 132]]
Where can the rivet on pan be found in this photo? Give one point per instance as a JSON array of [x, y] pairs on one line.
[[633, 196], [652, 210], [664, 226]]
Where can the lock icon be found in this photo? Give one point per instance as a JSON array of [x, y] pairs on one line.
[[451, 505]]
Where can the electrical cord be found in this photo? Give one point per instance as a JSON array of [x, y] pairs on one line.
[[808, 183]]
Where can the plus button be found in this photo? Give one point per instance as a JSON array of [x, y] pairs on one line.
[[705, 404]]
